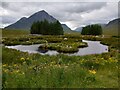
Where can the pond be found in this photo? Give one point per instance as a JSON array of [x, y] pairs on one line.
[[94, 47]]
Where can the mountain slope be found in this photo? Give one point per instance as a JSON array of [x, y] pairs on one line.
[[112, 27], [66, 29], [25, 23]]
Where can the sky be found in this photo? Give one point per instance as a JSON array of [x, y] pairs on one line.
[[73, 14]]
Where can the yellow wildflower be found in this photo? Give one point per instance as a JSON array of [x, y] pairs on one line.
[[22, 59], [15, 65], [92, 71], [115, 61], [4, 65], [102, 58], [22, 73], [16, 71], [6, 70], [81, 61], [27, 58]]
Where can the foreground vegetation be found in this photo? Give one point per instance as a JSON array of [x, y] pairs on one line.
[[37, 71], [24, 70]]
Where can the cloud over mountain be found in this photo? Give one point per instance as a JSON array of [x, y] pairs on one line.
[[74, 14]]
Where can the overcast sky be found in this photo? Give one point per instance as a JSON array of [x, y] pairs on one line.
[[74, 14]]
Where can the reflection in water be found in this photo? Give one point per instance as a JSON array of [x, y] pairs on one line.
[[42, 51], [94, 47]]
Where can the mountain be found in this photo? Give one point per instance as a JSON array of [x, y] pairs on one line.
[[79, 29], [112, 27], [25, 23], [66, 28]]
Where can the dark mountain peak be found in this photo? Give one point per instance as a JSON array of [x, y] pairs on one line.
[[40, 16], [117, 19], [43, 11], [40, 13], [114, 22]]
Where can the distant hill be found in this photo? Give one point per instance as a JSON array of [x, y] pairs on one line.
[[108, 29], [79, 29], [25, 23], [112, 27]]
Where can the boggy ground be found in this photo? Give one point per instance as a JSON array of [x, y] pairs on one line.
[[24, 70]]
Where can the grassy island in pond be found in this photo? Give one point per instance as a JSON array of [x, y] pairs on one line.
[[65, 47]]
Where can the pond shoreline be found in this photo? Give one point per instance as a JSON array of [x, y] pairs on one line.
[[98, 48]]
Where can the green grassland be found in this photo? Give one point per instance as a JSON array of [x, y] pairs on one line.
[[14, 33], [24, 70], [111, 32]]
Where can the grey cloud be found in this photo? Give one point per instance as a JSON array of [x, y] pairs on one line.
[[7, 20], [84, 7], [65, 12]]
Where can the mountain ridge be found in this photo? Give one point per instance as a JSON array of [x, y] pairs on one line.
[[25, 23], [112, 27]]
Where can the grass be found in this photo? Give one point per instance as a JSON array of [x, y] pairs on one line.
[[34, 70], [111, 31], [24, 70], [14, 33]]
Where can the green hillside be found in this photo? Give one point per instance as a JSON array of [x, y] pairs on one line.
[[113, 31], [112, 27]]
